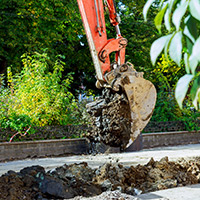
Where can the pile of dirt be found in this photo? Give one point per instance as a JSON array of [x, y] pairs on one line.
[[74, 180]]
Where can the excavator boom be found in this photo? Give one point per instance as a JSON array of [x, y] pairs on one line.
[[119, 79], [92, 13]]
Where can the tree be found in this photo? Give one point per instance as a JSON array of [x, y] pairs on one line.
[[28, 26], [55, 25], [182, 21]]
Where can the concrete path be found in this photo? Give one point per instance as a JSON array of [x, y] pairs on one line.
[[181, 193], [133, 158]]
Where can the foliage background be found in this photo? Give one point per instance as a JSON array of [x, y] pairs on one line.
[[181, 19], [29, 27], [38, 97], [55, 25]]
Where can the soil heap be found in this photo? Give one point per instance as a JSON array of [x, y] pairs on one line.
[[69, 181]]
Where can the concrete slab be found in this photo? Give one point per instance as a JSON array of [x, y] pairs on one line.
[[127, 159], [181, 193]]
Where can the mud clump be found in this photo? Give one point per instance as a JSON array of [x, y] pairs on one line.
[[156, 175], [22, 185], [110, 119], [75, 180]]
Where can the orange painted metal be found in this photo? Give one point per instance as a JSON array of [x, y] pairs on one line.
[[117, 45], [112, 12], [92, 12]]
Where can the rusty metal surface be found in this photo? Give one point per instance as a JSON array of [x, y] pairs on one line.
[[142, 97]]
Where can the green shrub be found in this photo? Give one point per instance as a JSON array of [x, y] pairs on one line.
[[16, 122], [19, 123], [168, 72], [166, 108], [4, 93], [38, 96]]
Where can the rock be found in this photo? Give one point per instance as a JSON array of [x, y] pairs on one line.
[[52, 187], [80, 171], [78, 178], [106, 185], [33, 170]]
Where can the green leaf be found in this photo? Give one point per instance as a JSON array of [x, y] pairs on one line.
[[190, 29], [195, 56], [195, 9], [188, 34], [182, 88], [159, 17], [157, 47], [167, 19], [189, 45], [172, 3], [146, 8], [161, 4], [186, 60], [168, 14], [175, 49], [167, 44], [195, 91], [179, 13]]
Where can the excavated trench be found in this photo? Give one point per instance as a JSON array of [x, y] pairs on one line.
[[75, 180]]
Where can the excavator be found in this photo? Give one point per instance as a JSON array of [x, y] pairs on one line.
[[128, 100]]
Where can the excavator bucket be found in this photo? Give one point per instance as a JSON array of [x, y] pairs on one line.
[[141, 95], [124, 109]]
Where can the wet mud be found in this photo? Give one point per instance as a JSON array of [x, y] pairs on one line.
[[110, 119]]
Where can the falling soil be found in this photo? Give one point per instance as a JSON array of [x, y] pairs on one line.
[[110, 119], [75, 180]]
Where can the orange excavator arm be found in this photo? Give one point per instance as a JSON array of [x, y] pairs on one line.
[[114, 18], [92, 12], [119, 77]]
